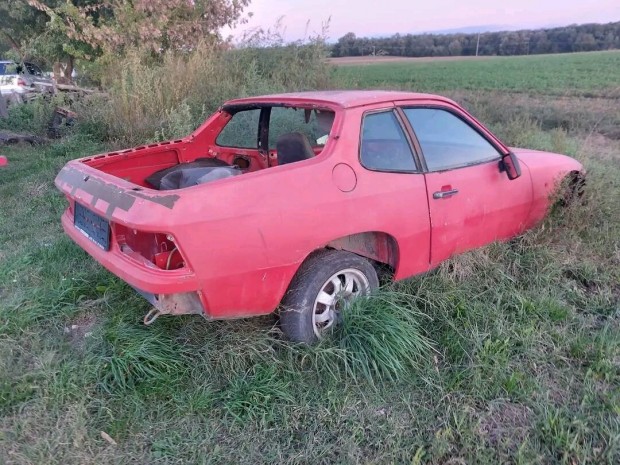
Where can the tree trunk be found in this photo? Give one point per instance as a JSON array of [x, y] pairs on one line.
[[63, 70], [4, 112], [69, 69]]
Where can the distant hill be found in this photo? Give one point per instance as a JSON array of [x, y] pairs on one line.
[[472, 29]]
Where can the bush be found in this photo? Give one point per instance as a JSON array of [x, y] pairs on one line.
[[34, 116], [170, 97]]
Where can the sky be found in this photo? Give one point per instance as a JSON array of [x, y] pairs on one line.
[[301, 18]]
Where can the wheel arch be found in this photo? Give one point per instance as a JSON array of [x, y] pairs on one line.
[[378, 246]]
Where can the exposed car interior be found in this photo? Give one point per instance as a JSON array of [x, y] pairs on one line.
[[293, 147], [252, 139]]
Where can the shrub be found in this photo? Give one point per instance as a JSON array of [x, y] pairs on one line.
[[169, 97], [34, 116]]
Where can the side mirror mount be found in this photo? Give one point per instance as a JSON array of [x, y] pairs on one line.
[[510, 164]]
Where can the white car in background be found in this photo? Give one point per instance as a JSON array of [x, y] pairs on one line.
[[20, 79]]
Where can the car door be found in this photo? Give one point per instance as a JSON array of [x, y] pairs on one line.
[[471, 202], [392, 186]]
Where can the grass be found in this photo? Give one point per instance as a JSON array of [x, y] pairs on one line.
[[508, 354], [589, 74]]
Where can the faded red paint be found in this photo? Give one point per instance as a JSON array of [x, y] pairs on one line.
[[236, 243]]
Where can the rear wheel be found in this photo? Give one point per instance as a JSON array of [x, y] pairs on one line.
[[321, 291]]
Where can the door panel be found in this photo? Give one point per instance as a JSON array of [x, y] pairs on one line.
[[391, 189], [474, 206], [471, 202]]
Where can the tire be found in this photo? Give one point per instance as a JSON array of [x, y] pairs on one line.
[[314, 301], [573, 189]]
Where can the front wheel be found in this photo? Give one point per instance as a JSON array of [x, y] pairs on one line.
[[321, 290], [572, 189]]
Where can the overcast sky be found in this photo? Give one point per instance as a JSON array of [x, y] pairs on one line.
[[386, 17]]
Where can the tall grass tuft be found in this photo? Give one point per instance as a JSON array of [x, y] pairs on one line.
[[132, 355], [169, 97], [381, 336]]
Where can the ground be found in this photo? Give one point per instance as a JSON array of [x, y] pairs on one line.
[[509, 354]]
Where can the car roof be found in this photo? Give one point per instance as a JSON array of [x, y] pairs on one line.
[[341, 98]]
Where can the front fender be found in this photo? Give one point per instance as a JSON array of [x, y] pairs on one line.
[[547, 170]]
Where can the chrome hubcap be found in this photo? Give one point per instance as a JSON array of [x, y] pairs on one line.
[[335, 294]]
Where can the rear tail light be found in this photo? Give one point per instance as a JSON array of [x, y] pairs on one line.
[[153, 249]]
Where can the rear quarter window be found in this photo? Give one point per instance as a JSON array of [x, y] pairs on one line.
[[241, 131], [384, 146]]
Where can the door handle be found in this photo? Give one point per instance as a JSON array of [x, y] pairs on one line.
[[445, 194]]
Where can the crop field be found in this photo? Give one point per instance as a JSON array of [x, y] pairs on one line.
[[508, 354], [587, 74]]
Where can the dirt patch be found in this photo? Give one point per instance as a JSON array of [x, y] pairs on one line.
[[604, 147], [79, 330], [505, 424]]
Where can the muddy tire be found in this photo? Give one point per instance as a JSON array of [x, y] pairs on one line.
[[574, 187], [320, 292]]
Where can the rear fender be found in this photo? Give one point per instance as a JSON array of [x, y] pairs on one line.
[[378, 246]]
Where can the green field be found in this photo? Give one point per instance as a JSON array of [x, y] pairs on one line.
[[589, 74], [524, 358]]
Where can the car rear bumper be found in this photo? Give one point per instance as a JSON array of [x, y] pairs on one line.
[[151, 280], [8, 90]]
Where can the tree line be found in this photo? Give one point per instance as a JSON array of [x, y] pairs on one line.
[[573, 38]]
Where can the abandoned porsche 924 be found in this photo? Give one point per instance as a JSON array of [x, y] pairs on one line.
[[292, 201]]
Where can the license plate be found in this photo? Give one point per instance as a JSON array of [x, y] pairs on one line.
[[93, 226]]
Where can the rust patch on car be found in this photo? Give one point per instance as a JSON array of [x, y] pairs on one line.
[[100, 190]]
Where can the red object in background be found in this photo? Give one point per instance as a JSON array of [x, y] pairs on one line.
[[230, 248], [3, 161]]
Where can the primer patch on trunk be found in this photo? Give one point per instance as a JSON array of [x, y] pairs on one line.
[[113, 195]]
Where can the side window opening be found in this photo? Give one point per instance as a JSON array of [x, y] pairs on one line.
[[294, 133], [241, 131], [315, 125], [447, 141], [9, 69], [384, 146], [33, 69]]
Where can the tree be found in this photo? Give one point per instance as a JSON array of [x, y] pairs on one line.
[[344, 46], [455, 47], [159, 25], [585, 42], [64, 30], [20, 24]]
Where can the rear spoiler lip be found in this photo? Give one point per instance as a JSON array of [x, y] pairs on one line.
[[92, 187]]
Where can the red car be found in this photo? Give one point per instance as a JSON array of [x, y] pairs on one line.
[[292, 201]]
